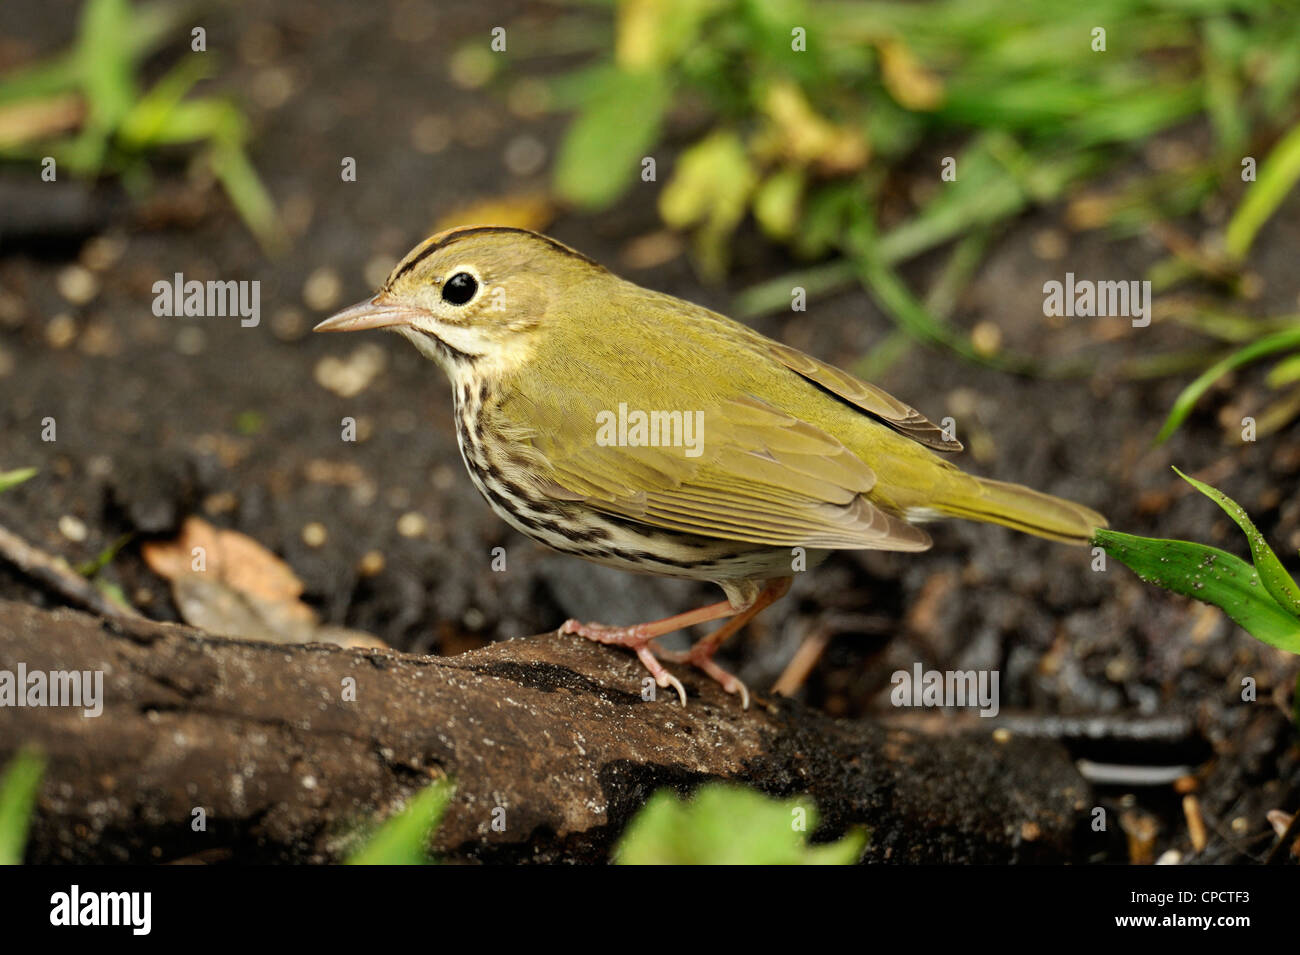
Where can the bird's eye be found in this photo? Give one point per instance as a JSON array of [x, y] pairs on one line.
[[459, 289]]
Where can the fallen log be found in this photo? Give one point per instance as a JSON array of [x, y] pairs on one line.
[[210, 748]]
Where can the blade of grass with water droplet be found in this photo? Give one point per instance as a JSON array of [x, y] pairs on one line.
[[1210, 575], [1271, 572]]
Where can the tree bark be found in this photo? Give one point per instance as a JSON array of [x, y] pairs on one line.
[[548, 735]]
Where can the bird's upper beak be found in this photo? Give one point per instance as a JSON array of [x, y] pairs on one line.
[[378, 312]]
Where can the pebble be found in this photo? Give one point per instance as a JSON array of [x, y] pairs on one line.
[[1049, 245], [314, 534], [60, 330], [986, 338], [431, 134], [322, 289], [190, 340], [77, 284], [348, 377], [74, 529], [372, 564], [412, 524], [103, 252], [288, 324], [525, 154]]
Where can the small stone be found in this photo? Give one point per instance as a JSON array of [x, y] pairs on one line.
[[103, 252], [986, 338], [288, 324], [1049, 244], [77, 284], [372, 564], [412, 524], [1002, 735], [61, 330], [73, 528], [191, 340], [314, 534], [273, 87], [322, 289], [348, 377], [525, 154], [220, 502], [431, 134]]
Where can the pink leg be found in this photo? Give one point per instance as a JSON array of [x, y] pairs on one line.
[[701, 654], [638, 637]]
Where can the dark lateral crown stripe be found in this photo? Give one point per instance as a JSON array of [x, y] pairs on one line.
[[433, 247]]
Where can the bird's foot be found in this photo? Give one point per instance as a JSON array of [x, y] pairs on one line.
[[700, 656], [637, 638]]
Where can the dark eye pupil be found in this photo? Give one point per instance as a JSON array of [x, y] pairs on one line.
[[460, 288]]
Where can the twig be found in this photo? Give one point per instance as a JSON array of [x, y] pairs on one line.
[[55, 574]]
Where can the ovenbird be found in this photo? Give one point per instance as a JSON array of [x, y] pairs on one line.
[[637, 430]]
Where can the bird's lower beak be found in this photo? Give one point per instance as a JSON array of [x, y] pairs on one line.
[[378, 312]]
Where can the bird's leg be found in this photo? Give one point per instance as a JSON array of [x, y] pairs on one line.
[[701, 654], [638, 637]]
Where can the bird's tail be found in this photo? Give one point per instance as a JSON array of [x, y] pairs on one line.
[[1023, 509]]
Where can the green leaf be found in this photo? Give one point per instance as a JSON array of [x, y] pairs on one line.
[[618, 125], [18, 789], [1210, 575], [1278, 174], [1285, 372], [1271, 572], [10, 479], [1187, 398], [730, 825], [251, 200], [404, 839]]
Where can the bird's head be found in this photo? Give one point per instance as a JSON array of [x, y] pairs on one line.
[[473, 297]]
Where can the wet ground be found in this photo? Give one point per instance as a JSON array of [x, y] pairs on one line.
[[160, 418]]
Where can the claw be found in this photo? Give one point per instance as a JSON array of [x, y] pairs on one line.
[[634, 638], [677, 685]]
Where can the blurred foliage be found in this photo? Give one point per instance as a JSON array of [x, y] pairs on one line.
[[1263, 599], [10, 479], [719, 825], [89, 110], [18, 787], [404, 839], [730, 825], [1285, 374], [826, 125]]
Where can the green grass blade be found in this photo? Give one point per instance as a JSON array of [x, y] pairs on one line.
[[404, 839], [249, 196], [18, 788], [1271, 572], [1210, 575], [1187, 398], [10, 479], [1278, 174]]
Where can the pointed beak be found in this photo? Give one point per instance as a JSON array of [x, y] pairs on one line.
[[377, 312]]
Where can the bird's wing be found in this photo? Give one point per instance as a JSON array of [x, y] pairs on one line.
[[877, 402], [761, 476]]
